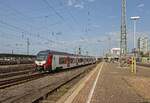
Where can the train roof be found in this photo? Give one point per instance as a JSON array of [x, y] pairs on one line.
[[62, 53]]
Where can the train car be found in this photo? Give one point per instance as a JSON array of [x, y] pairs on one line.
[[49, 60]]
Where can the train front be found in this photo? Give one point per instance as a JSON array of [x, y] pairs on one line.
[[43, 61]]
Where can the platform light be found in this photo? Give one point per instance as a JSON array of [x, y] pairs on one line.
[[135, 17]]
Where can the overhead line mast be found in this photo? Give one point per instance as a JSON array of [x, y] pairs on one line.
[[123, 39]]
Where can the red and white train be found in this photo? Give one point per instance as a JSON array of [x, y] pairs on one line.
[[48, 60]]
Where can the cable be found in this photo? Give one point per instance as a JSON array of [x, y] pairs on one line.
[[51, 7], [57, 13], [73, 18], [30, 34]]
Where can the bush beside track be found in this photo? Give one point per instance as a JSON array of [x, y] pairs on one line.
[[13, 59]]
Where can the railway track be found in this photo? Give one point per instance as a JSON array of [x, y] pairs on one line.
[[15, 68], [4, 83], [45, 83], [15, 73], [54, 95], [14, 78], [7, 80]]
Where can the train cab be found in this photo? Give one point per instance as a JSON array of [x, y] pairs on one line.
[[43, 61]]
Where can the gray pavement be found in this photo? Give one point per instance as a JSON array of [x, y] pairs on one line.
[[112, 86]]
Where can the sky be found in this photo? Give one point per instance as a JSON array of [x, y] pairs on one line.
[[66, 25]]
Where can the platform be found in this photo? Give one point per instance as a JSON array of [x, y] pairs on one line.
[[108, 83]]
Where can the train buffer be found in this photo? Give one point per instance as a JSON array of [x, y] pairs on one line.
[[109, 83]]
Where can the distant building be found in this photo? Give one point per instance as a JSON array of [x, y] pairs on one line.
[[143, 44], [115, 52]]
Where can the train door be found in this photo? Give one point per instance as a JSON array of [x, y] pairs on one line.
[[76, 61], [49, 62], [68, 62], [54, 63]]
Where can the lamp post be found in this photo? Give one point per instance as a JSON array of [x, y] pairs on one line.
[[134, 19]]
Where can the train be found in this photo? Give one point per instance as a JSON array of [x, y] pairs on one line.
[[49, 60]]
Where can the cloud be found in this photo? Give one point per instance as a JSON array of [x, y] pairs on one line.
[[141, 5], [78, 3], [79, 6]]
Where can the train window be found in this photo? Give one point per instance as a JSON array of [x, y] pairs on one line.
[[71, 60], [62, 60], [66, 60], [74, 60], [42, 55], [80, 60]]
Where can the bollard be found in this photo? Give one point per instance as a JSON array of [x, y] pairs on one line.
[[133, 65]]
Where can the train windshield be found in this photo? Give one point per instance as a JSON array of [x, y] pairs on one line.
[[42, 55]]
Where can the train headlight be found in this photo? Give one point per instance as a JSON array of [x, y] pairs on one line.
[[41, 63]]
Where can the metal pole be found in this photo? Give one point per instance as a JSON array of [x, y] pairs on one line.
[[149, 56], [123, 37], [28, 46], [109, 45], [134, 58], [12, 51], [134, 35], [134, 43]]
